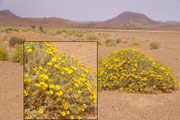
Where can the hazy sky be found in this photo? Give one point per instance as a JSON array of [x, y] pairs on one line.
[[93, 10]]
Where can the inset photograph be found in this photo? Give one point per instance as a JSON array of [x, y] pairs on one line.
[[60, 80]]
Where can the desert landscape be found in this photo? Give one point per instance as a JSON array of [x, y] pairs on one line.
[[158, 40]]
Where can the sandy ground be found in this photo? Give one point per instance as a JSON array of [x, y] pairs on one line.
[[11, 91], [111, 104]]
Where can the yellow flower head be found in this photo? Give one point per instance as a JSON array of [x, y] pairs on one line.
[[41, 111], [51, 86], [72, 117], [68, 112], [30, 50], [58, 87], [63, 113]]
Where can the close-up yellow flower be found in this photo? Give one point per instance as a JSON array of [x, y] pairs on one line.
[[63, 113], [57, 87], [41, 111]]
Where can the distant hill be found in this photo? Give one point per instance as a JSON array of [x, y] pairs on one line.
[[8, 18], [130, 16], [126, 20]]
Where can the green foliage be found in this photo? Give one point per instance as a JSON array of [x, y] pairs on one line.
[[3, 55], [56, 86], [69, 31], [15, 40], [131, 70], [125, 42], [134, 44], [10, 29], [18, 55]]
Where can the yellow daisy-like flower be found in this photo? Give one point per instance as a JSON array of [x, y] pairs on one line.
[[26, 75], [79, 92], [30, 50], [79, 118], [84, 105], [51, 92], [51, 86], [54, 59], [59, 58], [49, 63], [76, 85], [63, 61], [58, 87], [72, 117], [25, 93], [70, 71], [63, 113], [70, 89], [59, 93], [41, 111], [40, 67], [68, 112]]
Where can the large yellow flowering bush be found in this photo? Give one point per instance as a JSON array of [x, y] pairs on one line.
[[56, 86], [3, 55], [131, 70]]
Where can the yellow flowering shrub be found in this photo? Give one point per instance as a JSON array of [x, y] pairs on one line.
[[56, 86], [3, 55], [131, 70], [18, 55]]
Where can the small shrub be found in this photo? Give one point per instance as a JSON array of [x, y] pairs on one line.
[[154, 44], [33, 27], [110, 42], [91, 36], [15, 40], [3, 55], [18, 55], [105, 35], [58, 31], [118, 40], [125, 42], [131, 70], [134, 44]]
